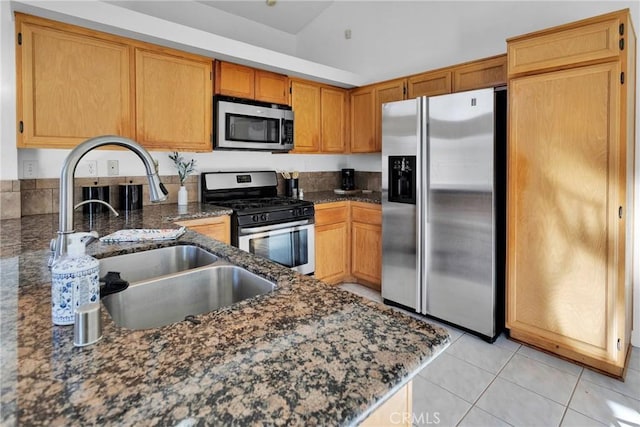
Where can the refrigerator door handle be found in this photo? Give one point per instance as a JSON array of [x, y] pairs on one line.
[[423, 203]]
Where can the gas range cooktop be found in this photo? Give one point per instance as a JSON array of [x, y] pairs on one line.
[[252, 196]]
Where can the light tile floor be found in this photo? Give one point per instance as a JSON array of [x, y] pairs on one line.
[[473, 383]]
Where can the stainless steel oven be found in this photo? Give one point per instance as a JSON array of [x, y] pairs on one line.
[[270, 226], [290, 244]]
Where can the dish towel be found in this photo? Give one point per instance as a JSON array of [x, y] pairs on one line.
[[143, 235]]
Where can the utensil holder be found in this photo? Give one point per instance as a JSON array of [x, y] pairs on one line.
[[291, 187]]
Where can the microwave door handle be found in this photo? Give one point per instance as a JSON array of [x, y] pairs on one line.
[[283, 131]]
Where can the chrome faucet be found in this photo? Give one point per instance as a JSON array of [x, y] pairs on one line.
[[157, 190]]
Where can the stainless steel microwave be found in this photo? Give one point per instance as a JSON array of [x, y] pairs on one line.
[[251, 125]]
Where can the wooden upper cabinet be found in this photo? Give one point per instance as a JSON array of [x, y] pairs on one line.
[[490, 72], [579, 42], [429, 84], [333, 116], [173, 101], [271, 87], [362, 120], [234, 80], [390, 91], [305, 102], [249, 83], [70, 87]]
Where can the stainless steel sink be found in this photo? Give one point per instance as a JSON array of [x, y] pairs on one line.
[[164, 300], [145, 265]]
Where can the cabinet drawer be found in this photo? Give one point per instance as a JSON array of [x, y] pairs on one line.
[[366, 214], [331, 213], [564, 46]]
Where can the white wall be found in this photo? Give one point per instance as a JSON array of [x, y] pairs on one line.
[[392, 39]]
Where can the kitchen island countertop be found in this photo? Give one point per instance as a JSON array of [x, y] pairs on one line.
[[305, 354]]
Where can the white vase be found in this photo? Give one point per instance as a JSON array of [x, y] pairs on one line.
[[183, 196]]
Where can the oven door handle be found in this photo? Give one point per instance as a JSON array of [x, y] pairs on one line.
[[273, 227]]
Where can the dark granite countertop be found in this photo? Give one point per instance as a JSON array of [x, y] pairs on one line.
[[305, 354], [319, 197]]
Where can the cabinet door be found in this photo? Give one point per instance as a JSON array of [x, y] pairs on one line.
[[332, 252], [485, 73], [217, 227], [235, 80], [362, 117], [366, 253], [386, 92], [429, 84], [71, 87], [173, 101], [333, 113], [564, 190], [568, 45], [305, 102], [271, 87]]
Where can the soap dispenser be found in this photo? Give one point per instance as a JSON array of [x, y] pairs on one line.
[[75, 280]]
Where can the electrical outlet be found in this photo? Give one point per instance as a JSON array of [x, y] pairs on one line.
[[112, 168], [92, 168], [29, 168]]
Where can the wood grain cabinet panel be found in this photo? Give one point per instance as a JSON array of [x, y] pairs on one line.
[[486, 73], [218, 227], [173, 101], [332, 242], [70, 87], [429, 84], [305, 102], [390, 91], [234, 80], [395, 411], [333, 115], [569, 226], [366, 243], [568, 45], [271, 87], [362, 120]]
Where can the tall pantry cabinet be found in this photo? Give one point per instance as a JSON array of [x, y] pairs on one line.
[[570, 189]]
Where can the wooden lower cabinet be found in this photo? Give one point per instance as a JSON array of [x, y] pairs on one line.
[[349, 243], [395, 411], [366, 243], [218, 227], [332, 242]]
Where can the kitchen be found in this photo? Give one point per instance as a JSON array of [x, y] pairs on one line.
[[311, 163]]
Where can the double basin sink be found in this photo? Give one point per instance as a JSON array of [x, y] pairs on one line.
[[175, 283]]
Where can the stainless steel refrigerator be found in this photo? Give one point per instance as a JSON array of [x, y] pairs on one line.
[[443, 204]]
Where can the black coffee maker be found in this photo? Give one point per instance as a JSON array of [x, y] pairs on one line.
[[348, 179]]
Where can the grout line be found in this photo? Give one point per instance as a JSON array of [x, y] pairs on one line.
[[571, 398]]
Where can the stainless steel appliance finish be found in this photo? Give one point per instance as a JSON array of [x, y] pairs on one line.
[[277, 228], [442, 208], [251, 125], [182, 296], [156, 262]]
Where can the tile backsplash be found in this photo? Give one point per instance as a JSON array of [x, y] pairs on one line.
[[41, 196]]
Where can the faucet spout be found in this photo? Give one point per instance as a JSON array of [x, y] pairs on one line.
[[157, 190]]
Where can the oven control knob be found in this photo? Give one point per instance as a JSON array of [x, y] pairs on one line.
[[255, 218], [264, 217], [297, 212], [305, 211]]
